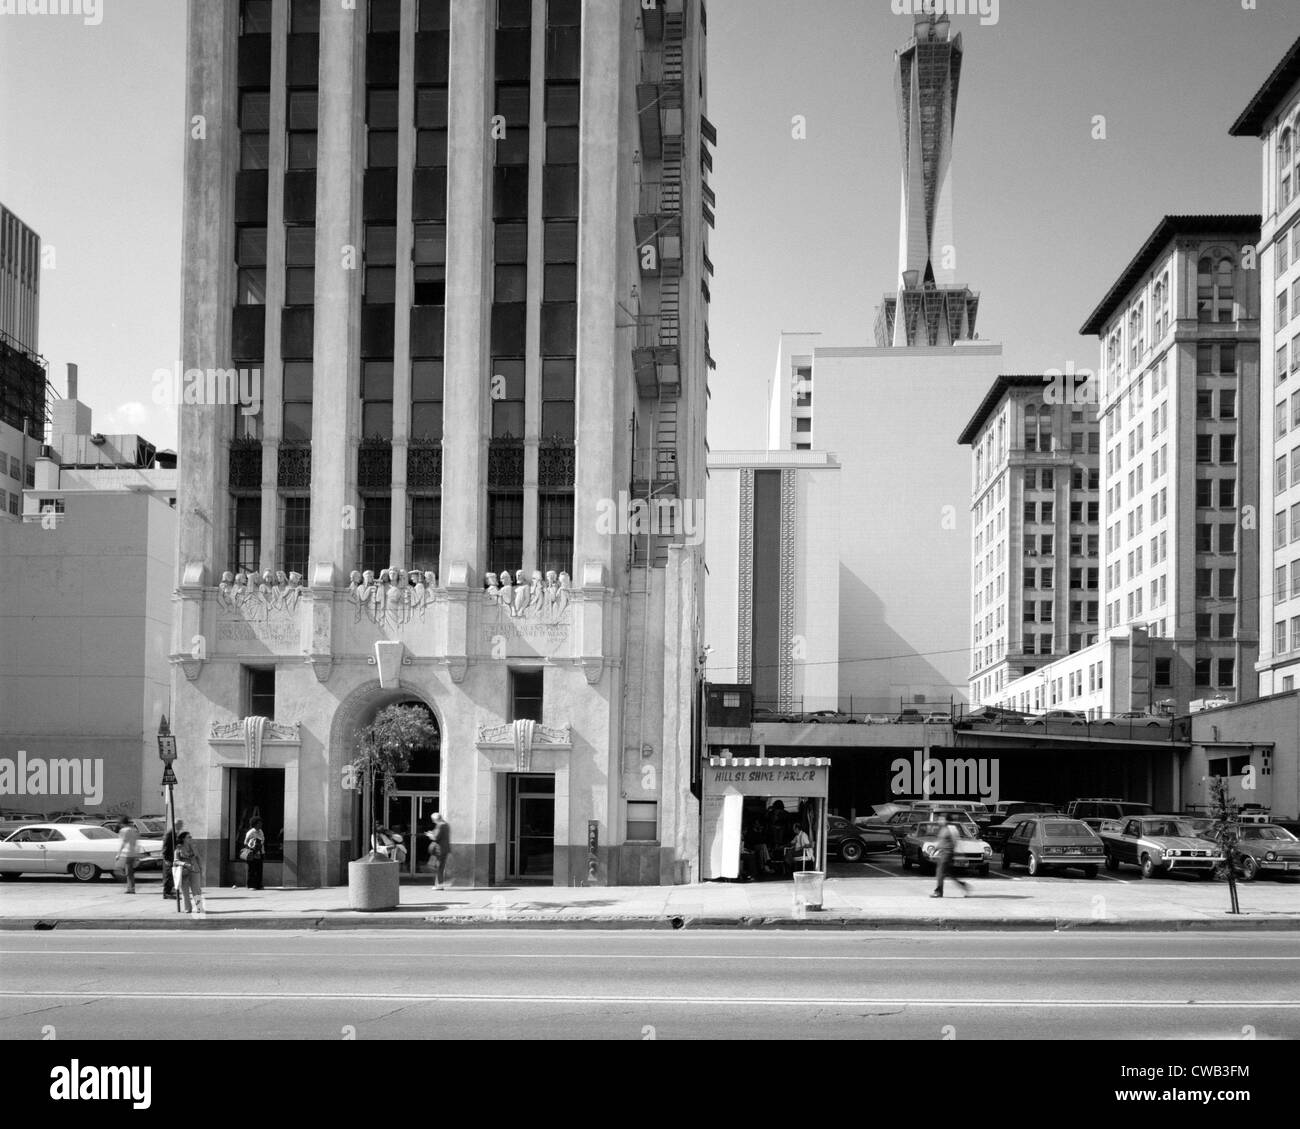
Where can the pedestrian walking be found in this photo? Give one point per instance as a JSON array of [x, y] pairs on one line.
[[439, 836], [188, 874], [128, 852], [169, 857], [948, 837], [254, 852]]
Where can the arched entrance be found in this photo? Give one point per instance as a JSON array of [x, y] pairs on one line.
[[409, 805], [407, 808]]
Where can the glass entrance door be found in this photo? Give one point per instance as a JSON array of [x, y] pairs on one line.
[[532, 829], [410, 815]]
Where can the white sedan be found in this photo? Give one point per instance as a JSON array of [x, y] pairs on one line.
[[84, 850]]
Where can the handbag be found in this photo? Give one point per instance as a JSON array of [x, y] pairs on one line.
[[245, 855]]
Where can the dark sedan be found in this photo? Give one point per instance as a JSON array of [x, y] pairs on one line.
[[998, 833], [851, 841], [1043, 843]]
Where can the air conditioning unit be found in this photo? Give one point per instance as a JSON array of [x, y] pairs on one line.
[[1031, 552]]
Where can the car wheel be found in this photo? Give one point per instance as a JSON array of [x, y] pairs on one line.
[[1035, 867], [1089, 871], [851, 850], [1147, 867], [1249, 869], [1112, 863], [85, 871], [907, 862], [1006, 861]]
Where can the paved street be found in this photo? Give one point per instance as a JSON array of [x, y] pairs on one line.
[[639, 984]]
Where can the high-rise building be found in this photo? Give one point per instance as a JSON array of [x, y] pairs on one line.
[[1178, 391], [928, 307], [1035, 554], [455, 251], [1178, 398], [23, 384], [1273, 117], [888, 413]]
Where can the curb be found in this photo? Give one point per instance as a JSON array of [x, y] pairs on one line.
[[817, 922]]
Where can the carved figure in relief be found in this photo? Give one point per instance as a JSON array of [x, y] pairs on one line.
[[492, 589], [536, 593], [552, 589], [420, 593], [226, 591], [507, 592], [521, 593], [266, 591], [294, 591], [562, 595], [354, 588]]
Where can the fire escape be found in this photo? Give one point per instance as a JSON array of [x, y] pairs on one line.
[[656, 354]]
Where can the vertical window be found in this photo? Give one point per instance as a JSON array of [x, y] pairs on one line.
[[259, 692], [254, 129], [302, 119], [300, 266], [250, 260], [296, 528], [376, 532], [297, 401], [246, 533]]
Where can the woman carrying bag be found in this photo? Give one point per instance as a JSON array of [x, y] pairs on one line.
[[254, 852], [187, 874]]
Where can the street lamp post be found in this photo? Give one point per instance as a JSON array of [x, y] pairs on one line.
[[167, 754]]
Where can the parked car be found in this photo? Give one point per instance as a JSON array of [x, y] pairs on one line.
[[84, 850], [1002, 810], [878, 838], [921, 844], [851, 842], [910, 717], [998, 833], [1071, 717], [900, 822], [1160, 844], [995, 715], [973, 807], [825, 715], [1138, 717], [11, 814], [1264, 848], [879, 719], [935, 717], [1095, 810], [1046, 842], [880, 813], [962, 819]]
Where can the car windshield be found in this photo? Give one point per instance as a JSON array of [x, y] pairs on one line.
[[1169, 827], [1272, 834], [1066, 829], [97, 833], [933, 829]]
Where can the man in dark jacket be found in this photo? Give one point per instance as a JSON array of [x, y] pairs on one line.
[[169, 857], [440, 845]]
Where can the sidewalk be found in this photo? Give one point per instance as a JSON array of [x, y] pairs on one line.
[[848, 903]]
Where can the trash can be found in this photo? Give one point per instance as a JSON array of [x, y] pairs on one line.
[[808, 888]]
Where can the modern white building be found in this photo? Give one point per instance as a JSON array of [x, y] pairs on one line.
[[888, 416], [772, 547], [1273, 118], [85, 623], [1035, 513]]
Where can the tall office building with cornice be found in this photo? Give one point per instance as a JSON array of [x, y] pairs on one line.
[[445, 285]]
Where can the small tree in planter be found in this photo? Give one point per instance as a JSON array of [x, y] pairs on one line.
[[385, 747], [1226, 832]]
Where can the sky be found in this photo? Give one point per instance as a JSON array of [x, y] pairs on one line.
[[92, 136]]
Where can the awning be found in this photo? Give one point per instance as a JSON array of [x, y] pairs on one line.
[[807, 777]]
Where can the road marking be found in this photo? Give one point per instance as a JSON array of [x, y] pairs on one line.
[[882, 870], [407, 954], [703, 1001]]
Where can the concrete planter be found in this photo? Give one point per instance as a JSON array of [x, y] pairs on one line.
[[373, 884]]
